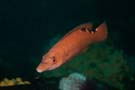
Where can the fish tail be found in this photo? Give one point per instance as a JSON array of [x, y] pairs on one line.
[[101, 32]]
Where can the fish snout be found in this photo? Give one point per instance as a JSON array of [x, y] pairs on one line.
[[42, 67]]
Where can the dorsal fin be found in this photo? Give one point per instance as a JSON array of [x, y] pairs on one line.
[[76, 28]]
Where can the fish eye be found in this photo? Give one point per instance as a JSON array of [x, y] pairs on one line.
[[53, 59]]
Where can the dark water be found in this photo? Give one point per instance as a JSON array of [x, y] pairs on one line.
[[27, 26]]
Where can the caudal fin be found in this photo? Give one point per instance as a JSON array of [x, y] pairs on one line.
[[101, 32]]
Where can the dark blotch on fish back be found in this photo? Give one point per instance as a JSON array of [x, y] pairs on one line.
[[86, 29], [83, 29]]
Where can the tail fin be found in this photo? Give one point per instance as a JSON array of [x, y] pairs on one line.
[[101, 32]]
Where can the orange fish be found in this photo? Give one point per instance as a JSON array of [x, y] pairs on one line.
[[73, 43]]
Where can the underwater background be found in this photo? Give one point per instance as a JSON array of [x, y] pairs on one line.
[[29, 28]]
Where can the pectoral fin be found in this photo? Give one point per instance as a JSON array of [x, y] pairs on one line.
[[84, 50]]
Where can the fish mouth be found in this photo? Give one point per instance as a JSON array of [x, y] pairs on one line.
[[42, 67]]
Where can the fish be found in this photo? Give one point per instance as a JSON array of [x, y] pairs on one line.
[[72, 44]]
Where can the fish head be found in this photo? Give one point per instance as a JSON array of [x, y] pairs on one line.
[[49, 62]]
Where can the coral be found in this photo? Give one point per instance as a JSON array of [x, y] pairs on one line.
[[131, 62], [73, 82], [12, 82], [77, 81]]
